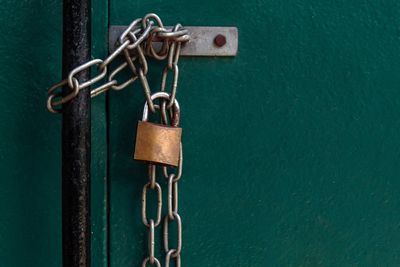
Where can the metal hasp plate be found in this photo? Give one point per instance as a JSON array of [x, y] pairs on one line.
[[205, 41]]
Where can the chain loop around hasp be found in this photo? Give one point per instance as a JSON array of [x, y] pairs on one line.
[[136, 40]]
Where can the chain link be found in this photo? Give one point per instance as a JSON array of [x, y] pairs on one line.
[[170, 256], [151, 224], [176, 218], [137, 39], [158, 190]]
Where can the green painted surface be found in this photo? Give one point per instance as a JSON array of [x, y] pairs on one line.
[[30, 165], [291, 149], [30, 185]]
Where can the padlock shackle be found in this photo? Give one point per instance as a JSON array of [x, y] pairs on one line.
[[166, 96]]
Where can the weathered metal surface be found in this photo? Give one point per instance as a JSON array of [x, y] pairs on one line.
[[157, 143], [201, 43], [76, 133]]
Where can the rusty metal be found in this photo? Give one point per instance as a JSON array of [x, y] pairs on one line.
[[220, 40], [158, 143], [76, 138]]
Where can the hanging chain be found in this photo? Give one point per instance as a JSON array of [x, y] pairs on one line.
[[151, 224], [172, 176], [135, 43], [169, 116], [137, 40]]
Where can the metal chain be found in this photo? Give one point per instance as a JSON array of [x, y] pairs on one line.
[[172, 254], [173, 177], [136, 40], [173, 193], [168, 117], [172, 216], [135, 43], [151, 224]]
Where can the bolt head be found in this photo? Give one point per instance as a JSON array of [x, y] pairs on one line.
[[220, 40]]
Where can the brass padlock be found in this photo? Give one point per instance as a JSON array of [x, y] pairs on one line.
[[157, 143]]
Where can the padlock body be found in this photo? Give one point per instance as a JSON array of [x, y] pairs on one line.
[[157, 143]]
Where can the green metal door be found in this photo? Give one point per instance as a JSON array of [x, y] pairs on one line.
[[291, 148]]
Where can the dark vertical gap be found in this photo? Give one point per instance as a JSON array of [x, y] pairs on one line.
[[76, 233], [108, 153]]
